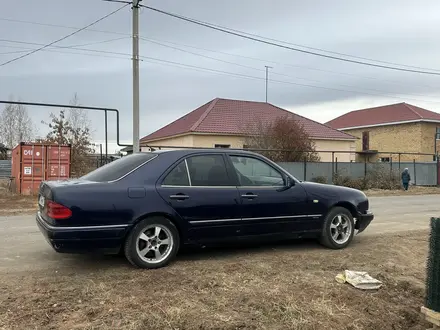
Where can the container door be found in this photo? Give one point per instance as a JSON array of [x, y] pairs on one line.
[[31, 168], [58, 162]]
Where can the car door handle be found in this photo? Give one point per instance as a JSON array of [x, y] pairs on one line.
[[249, 196], [179, 196]]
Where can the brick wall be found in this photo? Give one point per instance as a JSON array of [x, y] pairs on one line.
[[413, 137]]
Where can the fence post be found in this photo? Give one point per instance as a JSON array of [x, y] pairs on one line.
[[391, 167], [333, 164], [336, 164], [399, 162], [305, 169], [365, 168], [438, 167], [415, 172]]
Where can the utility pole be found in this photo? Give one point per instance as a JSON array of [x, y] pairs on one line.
[[267, 78], [135, 59]]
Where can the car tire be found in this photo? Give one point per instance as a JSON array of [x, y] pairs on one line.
[[152, 243], [338, 229]]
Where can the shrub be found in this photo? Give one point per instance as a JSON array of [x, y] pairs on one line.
[[379, 177], [320, 179]]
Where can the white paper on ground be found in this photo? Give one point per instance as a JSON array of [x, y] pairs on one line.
[[360, 280]]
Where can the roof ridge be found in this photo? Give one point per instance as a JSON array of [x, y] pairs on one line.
[[410, 107], [295, 114], [379, 106], [204, 115]]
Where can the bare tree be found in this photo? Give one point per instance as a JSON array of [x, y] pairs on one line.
[[284, 139], [77, 118], [15, 125], [71, 126]]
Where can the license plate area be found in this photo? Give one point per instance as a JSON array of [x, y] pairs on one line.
[[41, 201]]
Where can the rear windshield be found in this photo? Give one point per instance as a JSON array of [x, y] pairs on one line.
[[117, 169]]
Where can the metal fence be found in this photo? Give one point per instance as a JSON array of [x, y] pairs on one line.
[[5, 169], [422, 166], [422, 173]]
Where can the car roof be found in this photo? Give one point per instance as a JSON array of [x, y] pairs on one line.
[[189, 151]]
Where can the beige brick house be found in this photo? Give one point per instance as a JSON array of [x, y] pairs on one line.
[[388, 130], [222, 123]]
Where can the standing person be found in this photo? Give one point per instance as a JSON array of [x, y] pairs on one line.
[[406, 178]]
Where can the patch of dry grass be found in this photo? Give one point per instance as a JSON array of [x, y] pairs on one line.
[[283, 286], [413, 190], [13, 204]]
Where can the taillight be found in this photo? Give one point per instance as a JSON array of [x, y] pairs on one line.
[[57, 211]]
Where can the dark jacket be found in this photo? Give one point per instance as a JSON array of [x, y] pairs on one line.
[[406, 177]]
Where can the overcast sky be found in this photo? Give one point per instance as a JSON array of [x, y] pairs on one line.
[[398, 31]]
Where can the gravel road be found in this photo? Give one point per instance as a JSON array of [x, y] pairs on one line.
[[23, 248]]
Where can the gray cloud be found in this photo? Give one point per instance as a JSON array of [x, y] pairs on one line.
[[395, 31]]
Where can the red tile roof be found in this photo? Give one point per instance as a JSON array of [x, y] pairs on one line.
[[387, 114], [223, 116]]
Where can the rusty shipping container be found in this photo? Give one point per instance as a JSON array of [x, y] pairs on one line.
[[36, 162]]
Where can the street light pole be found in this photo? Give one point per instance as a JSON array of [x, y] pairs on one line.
[[267, 78], [135, 59]]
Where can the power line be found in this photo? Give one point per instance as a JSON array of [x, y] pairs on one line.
[[62, 26], [210, 26], [222, 27], [230, 54], [198, 68], [308, 47], [51, 50], [283, 64], [257, 69], [65, 47], [63, 38]]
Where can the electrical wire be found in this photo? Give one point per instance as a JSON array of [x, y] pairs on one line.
[[198, 68], [63, 38], [241, 35], [235, 55], [288, 64], [65, 47], [61, 26], [223, 27], [51, 50], [257, 69]]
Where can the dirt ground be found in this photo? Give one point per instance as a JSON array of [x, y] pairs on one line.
[[412, 191], [282, 286]]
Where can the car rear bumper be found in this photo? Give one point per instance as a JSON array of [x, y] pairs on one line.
[[363, 221], [86, 239]]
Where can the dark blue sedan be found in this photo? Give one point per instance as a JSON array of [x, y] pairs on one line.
[[148, 205]]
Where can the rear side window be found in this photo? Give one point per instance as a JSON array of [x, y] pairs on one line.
[[208, 170], [178, 176], [117, 169]]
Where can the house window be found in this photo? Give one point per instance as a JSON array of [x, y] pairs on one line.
[[437, 133], [222, 145], [365, 141], [385, 159]]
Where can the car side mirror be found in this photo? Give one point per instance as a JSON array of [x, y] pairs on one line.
[[289, 182]]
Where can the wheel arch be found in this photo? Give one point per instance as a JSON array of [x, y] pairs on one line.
[[346, 205], [158, 214]]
